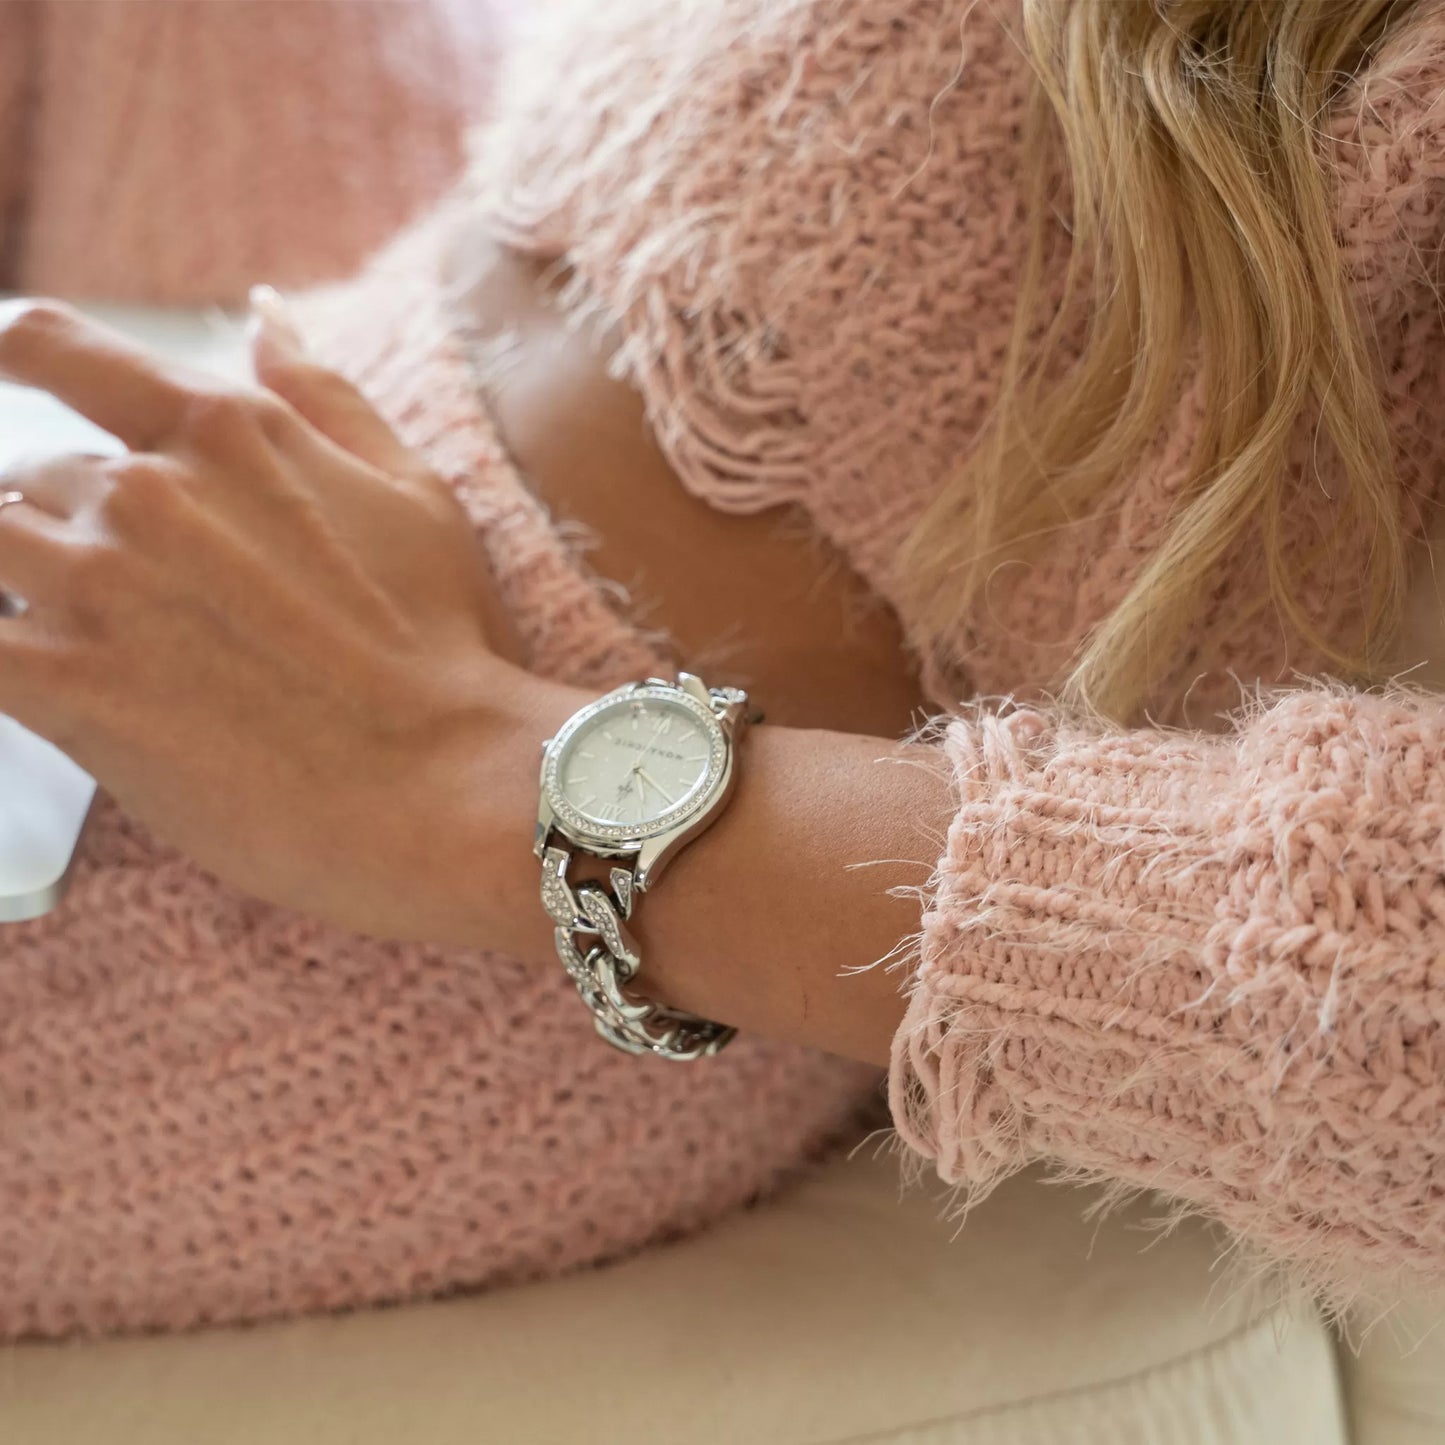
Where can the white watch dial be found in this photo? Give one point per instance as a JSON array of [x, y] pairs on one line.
[[635, 761]]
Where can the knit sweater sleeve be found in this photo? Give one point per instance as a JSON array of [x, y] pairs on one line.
[[1208, 965]]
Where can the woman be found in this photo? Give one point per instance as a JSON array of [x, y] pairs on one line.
[[1110, 443]]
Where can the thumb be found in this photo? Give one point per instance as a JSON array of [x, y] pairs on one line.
[[324, 398]]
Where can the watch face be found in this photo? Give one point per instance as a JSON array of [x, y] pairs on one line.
[[632, 766]]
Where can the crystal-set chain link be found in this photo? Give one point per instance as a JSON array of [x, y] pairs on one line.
[[610, 960]]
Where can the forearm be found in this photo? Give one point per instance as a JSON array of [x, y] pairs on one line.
[[19, 29], [761, 920]]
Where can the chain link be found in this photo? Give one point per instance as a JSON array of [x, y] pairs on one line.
[[608, 959]]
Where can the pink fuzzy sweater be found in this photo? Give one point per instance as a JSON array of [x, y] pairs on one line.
[[1209, 961], [1203, 960]]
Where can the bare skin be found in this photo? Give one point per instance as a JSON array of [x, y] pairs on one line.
[[809, 808], [809, 637], [757, 601], [1419, 653], [409, 707], [264, 629]]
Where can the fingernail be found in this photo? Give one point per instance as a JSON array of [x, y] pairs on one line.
[[268, 304]]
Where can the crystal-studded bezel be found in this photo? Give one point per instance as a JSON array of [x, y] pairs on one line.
[[586, 829]]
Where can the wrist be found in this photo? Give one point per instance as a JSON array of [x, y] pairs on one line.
[[502, 873], [743, 928], [475, 868]]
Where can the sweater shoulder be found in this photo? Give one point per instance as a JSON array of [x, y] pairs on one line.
[[763, 198], [729, 147], [1385, 142]]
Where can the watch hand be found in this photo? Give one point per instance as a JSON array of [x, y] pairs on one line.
[[648, 778]]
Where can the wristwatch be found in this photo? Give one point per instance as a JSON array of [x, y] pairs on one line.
[[631, 779]]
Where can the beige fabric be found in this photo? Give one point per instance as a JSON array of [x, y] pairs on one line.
[[835, 1313], [1394, 1371]]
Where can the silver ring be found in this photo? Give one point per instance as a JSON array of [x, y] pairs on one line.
[[7, 497]]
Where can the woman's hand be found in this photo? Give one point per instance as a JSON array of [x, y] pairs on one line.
[[268, 630], [265, 631]]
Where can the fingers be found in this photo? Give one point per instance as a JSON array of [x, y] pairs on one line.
[[327, 400], [60, 485], [34, 545], [71, 504], [94, 370], [150, 404]]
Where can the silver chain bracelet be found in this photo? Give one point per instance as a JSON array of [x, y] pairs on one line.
[[607, 958]]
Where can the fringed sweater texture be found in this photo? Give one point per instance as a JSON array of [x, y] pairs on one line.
[[1204, 956]]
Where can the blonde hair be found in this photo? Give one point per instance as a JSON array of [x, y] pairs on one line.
[[1200, 213]]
